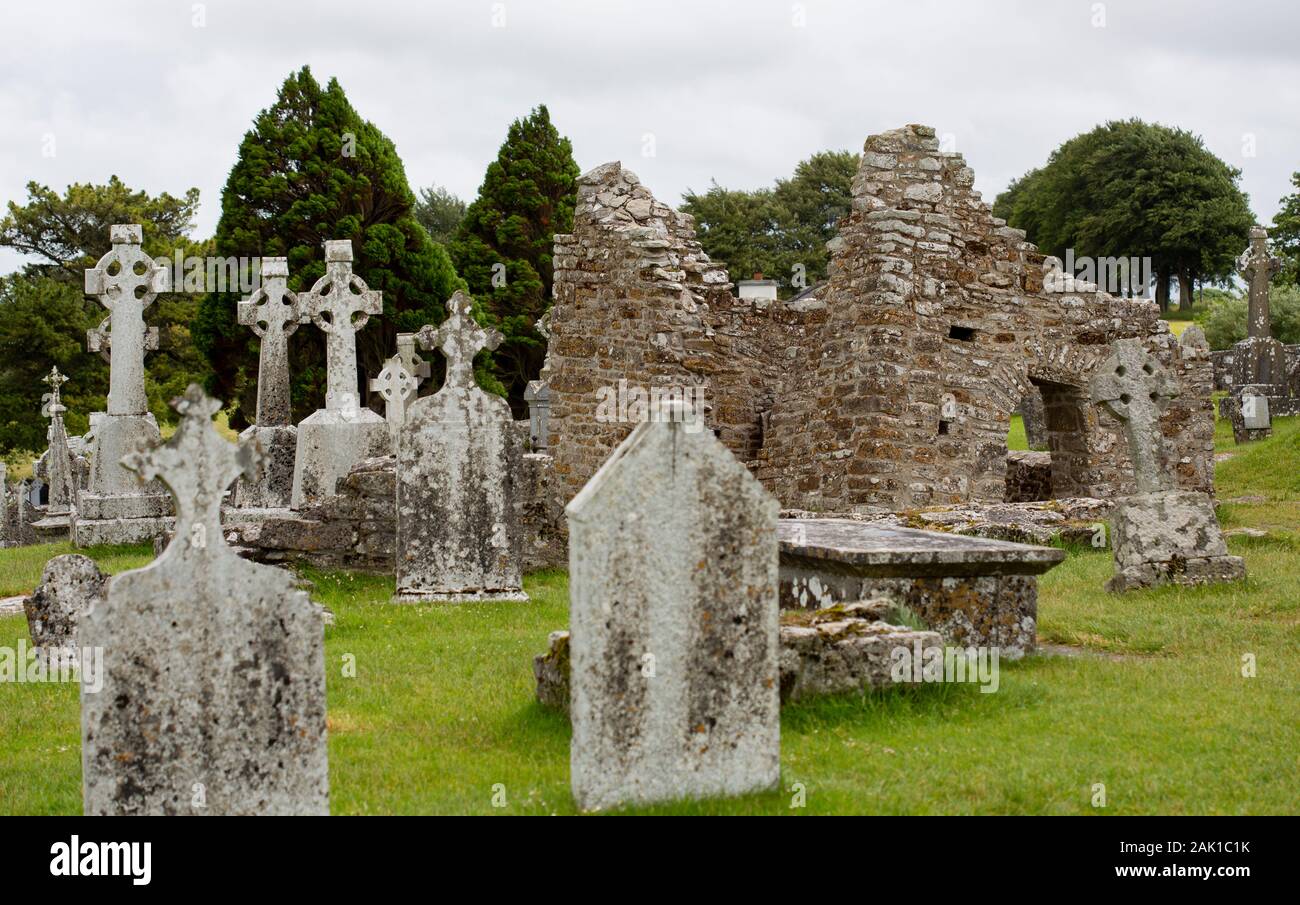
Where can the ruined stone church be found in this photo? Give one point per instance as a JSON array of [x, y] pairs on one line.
[[890, 386]]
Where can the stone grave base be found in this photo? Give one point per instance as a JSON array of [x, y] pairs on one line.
[[408, 596], [1169, 537], [117, 436], [124, 518], [845, 648], [329, 445], [91, 533], [274, 486], [53, 527]]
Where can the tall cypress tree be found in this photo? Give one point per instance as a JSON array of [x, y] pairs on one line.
[[311, 169], [503, 245]]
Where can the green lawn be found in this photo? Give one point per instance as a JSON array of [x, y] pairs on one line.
[[1154, 705]]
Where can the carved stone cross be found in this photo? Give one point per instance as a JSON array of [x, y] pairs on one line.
[[340, 303], [55, 380], [460, 338], [416, 366], [126, 281], [397, 387], [1258, 267], [1134, 385], [197, 464], [399, 381], [58, 458], [100, 339], [272, 312]]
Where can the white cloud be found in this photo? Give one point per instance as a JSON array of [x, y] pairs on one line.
[[731, 91]]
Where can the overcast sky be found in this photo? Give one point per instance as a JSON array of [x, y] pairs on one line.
[[160, 93]]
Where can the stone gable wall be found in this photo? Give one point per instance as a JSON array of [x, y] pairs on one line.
[[638, 300], [938, 321]]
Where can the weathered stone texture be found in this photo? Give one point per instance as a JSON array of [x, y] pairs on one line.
[[841, 649], [972, 591], [1158, 534], [357, 527], [71, 585], [1169, 537], [458, 457], [1029, 476], [673, 610], [941, 320], [116, 507], [638, 300], [273, 314], [893, 384], [333, 439], [213, 697]]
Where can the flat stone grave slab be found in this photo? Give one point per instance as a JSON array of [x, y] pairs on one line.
[[974, 591]]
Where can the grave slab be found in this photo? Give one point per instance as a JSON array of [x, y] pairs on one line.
[[973, 591]]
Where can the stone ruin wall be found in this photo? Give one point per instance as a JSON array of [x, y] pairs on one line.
[[932, 299], [357, 528], [637, 299]]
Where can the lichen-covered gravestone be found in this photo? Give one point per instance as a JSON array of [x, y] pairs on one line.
[[71, 586], [673, 614], [333, 439], [116, 508], [1159, 534], [213, 697], [272, 313], [457, 461]]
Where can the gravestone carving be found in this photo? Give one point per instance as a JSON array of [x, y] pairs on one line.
[[674, 622], [213, 694], [1159, 534], [116, 507], [538, 396], [458, 456], [333, 439], [272, 313]]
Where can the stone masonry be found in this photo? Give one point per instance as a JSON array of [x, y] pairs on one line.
[[638, 300], [891, 386], [941, 319]]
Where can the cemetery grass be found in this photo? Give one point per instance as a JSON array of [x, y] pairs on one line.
[[1143, 693]]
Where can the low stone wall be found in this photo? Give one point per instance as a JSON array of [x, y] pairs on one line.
[[840, 649], [357, 528], [1029, 476]]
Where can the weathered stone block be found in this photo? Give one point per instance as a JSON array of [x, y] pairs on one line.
[[70, 587], [1170, 536]]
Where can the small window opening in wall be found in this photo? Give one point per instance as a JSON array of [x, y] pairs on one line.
[[943, 428], [961, 334]]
